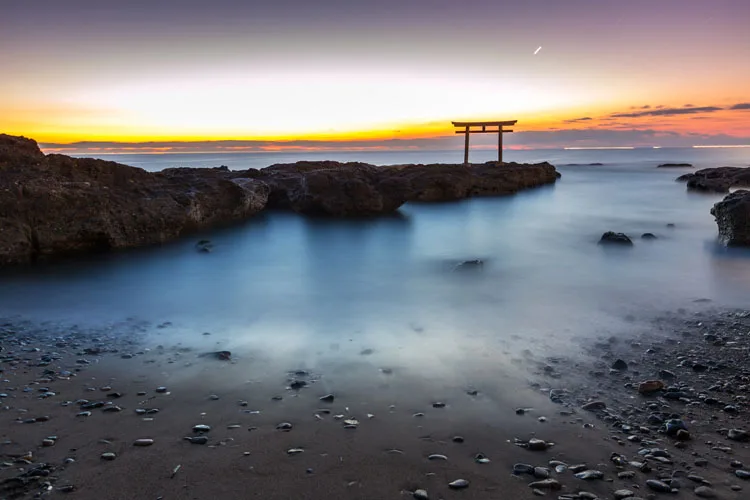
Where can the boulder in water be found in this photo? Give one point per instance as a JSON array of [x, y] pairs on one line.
[[612, 238], [733, 218]]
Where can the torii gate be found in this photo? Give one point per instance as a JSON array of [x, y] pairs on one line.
[[499, 130]]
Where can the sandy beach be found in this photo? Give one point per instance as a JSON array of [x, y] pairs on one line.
[[73, 396]]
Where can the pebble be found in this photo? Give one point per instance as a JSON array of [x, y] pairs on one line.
[[437, 457], [650, 386], [620, 494], [535, 444], [523, 469], [658, 486], [108, 456], [626, 474], [161, 390], [705, 492], [438, 404], [143, 442], [284, 426], [328, 398], [213, 397], [481, 459], [197, 439], [48, 442], [201, 428], [294, 451], [541, 472], [738, 435], [458, 439], [546, 484], [742, 474], [594, 406], [458, 484], [590, 475], [421, 495]]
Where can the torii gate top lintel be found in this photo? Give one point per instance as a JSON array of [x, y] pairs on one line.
[[496, 127]]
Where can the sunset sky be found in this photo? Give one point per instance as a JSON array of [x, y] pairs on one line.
[[385, 73]]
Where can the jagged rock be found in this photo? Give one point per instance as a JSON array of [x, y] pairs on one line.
[[733, 218], [717, 179]]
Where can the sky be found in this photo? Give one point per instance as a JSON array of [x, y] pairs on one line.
[[190, 75]]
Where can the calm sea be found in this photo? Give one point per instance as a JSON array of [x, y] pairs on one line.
[[317, 289]]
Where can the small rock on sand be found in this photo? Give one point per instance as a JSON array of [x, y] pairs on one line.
[[420, 495], [458, 484], [143, 442]]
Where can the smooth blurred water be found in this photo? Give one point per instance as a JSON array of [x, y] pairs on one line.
[[329, 288]]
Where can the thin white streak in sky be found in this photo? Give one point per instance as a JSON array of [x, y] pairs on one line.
[[537, 50]]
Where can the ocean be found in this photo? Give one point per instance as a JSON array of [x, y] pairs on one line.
[[318, 291]]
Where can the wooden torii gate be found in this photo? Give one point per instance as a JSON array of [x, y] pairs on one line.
[[494, 128]]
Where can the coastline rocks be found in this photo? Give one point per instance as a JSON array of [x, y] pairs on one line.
[[351, 189], [612, 238], [717, 180], [55, 205], [732, 215]]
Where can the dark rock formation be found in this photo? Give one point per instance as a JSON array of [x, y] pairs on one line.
[[612, 238], [648, 236], [674, 165], [54, 205], [717, 180], [733, 218], [334, 188]]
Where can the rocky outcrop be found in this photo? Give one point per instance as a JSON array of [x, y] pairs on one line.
[[733, 218], [717, 180], [674, 165], [358, 188], [55, 205]]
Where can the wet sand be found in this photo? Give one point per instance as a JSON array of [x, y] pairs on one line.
[[398, 423]]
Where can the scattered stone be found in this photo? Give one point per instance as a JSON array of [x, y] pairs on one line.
[[738, 435], [519, 469], [659, 486], [459, 484], [220, 355], [541, 472], [621, 494], [650, 386], [594, 406], [619, 365], [705, 492], [201, 428], [437, 457], [535, 444], [458, 439], [742, 474], [328, 398], [421, 495], [438, 404], [294, 451], [590, 475], [546, 484], [108, 456], [197, 439], [284, 426], [143, 442], [161, 390], [648, 236]]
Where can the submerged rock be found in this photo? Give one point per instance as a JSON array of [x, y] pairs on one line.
[[612, 238], [732, 215]]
